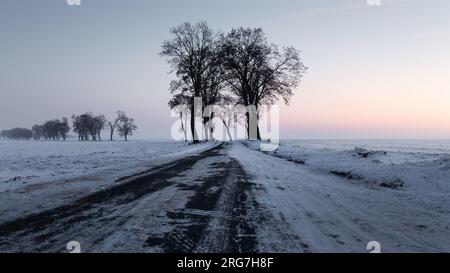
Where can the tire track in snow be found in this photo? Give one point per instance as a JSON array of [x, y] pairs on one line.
[[45, 231], [213, 217]]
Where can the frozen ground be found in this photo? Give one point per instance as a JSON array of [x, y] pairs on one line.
[[228, 197], [35, 176], [23, 163], [430, 146], [418, 169], [321, 208]]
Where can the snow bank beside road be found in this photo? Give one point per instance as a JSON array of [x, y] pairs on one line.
[[307, 209], [423, 175], [390, 169]]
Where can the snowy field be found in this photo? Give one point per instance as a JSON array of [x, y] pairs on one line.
[[28, 162], [392, 145], [308, 196], [41, 175], [419, 168], [410, 164], [337, 196]]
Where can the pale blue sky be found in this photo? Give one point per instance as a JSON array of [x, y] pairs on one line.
[[375, 72]]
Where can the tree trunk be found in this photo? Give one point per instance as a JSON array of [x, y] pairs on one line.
[[205, 128], [257, 124], [211, 127], [193, 131], [227, 127], [112, 133], [247, 117], [252, 126], [183, 128]]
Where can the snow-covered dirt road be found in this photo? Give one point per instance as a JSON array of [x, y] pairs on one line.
[[230, 198], [196, 203]]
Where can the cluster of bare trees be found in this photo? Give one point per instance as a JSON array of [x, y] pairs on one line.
[[17, 134], [87, 126], [238, 67], [51, 130]]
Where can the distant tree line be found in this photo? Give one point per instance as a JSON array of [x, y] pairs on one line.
[[240, 67], [51, 130], [87, 126], [17, 134]]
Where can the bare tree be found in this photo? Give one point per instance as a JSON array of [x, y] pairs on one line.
[[81, 125], [37, 132], [91, 126], [99, 125], [113, 124], [257, 71], [63, 128], [4, 134], [52, 130], [112, 127], [180, 103], [126, 126], [213, 87], [228, 114], [88, 125], [191, 53]]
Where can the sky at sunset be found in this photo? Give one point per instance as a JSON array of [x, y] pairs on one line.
[[374, 71]]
